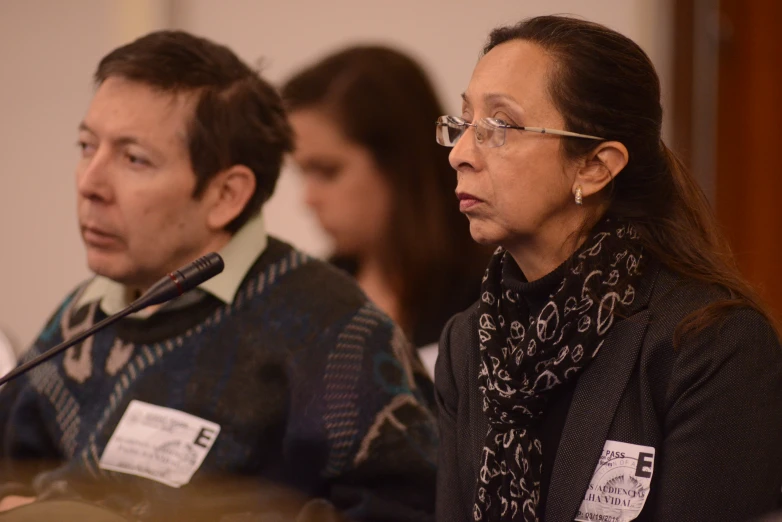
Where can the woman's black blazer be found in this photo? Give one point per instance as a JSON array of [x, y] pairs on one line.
[[711, 407]]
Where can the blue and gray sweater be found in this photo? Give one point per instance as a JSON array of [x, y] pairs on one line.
[[315, 390]]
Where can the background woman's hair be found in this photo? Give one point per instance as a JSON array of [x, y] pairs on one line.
[[605, 85], [383, 100]]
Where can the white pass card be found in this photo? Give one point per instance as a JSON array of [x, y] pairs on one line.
[[620, 484], [159, 443]]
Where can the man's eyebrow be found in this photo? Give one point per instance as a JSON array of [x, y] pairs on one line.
[[121, 141], [126, 140]]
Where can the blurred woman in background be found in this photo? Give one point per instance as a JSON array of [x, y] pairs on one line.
[[382, 189]]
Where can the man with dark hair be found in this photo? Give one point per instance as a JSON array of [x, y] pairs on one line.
[[275, 380]]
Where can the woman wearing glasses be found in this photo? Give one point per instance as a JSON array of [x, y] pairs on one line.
[[616, 366]]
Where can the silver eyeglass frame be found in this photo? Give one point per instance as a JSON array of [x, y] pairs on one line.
[[492, 125]]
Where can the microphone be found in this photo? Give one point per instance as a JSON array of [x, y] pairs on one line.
[[168, 287], [180, 281]]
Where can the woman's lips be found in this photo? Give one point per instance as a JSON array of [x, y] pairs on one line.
[[467, 201]]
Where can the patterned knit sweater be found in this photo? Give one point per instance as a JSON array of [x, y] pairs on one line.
[[313, 388]]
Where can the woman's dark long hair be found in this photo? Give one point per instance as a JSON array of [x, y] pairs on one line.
[[383, 100], [605, 85]]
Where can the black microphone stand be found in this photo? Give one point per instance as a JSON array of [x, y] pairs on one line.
[[170, 286], [67, 344]]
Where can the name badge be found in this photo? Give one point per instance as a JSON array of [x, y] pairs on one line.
[[158, 443], [620, 484]]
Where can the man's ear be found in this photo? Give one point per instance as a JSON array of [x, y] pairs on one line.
[[604, 163], [228, 193]]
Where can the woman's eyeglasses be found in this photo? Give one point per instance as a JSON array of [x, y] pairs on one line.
[[489, 132]]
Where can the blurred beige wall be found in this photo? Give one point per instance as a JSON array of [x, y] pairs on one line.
[[49, 48]]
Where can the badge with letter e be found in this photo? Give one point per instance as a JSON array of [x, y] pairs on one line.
[[620, 484], [158, 443]]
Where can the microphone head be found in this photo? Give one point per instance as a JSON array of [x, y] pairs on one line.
[[180, 281], [200, 270]]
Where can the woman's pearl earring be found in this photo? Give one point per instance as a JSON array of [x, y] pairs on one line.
[[579, 196]]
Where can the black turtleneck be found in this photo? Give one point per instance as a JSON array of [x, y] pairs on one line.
[[536, 294]]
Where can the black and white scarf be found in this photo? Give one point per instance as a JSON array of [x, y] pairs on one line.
[[525, 359]]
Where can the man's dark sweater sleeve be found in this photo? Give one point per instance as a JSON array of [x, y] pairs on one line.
[[389, 470], [26, 448]]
